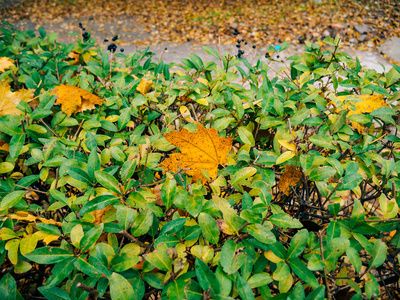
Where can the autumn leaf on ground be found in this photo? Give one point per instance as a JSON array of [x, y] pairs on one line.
[[5, 63], [144, 86], [203, 150], [289, 178], [9, 100], [367, 104], [73, 99]]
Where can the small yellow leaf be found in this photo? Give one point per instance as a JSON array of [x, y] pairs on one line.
[[50, 238], [144, 86], [288, 145], [185, 112], [284, 157], [5, 63], [247, 105], [272, 257], [203, 80], [202, 101]]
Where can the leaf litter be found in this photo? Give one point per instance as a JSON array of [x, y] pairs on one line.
[[206, 22]]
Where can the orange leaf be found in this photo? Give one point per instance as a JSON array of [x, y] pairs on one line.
[[9, 100], [289, 178], [203, 150], [73, 99], [5, 63]]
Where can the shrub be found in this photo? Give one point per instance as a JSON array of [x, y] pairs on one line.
[[283, 186]]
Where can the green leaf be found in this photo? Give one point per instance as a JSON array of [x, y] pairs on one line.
[[93, 164], [108, 181], [341, 120], [16, 143], [160, 258], [206, 277], [360, 118], [354, 258], [91, 237], [127, 170], [298, 243], [230, 215], [98, 203], [303, 272], [262, 233], [285, 221], [350, 181], [211, 51], [142, 223], [6, 167], [372, 287], [260, 279], [61, 271], [79, 174], [385, 114], [246, 136], [322, 173], [48, 255], [377, 89], [11, 199], [323, 141], [125, 216], [168, 192], [53, 293], [244, 289], [317, 294], [378, 254], [209, 228], [173, 226], [120, 288], [230, 260], [8, 287]]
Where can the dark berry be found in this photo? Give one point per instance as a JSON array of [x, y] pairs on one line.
[[238, 41], [238, 46], [166, 49], [122, 49], [84, 29], [115, 38], [106, 40], [277, 56], [254, 46], [242, 40], [80, 25], [245, 43]]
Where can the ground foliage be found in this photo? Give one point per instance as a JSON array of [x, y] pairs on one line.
[[262, 22], [300, 203]]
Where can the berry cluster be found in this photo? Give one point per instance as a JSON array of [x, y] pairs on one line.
[[85, 34], [113, 47]]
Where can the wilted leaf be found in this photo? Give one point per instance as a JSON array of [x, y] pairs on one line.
[[203, 150], [289, 178], [9, 100], [73, 99], [144, 86]]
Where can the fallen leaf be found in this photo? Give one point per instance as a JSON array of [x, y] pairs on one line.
[[9, 100], [5, 63], [144, 86], [289, 178], [98, 214], [73, 99], [203, 150]]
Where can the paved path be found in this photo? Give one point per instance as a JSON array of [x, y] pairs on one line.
[[129, 30]]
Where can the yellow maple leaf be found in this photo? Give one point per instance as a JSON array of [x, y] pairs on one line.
[[367, 104], [289, 178], [203, 150], [9, 100], [144, 86], [5, 63], [73, 99]]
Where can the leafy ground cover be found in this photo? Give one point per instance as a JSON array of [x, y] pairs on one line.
[[123, 179], [208, 22]]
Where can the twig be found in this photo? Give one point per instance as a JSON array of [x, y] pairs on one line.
[[31, 189], [133, 239], [329, 296], [49, 128]]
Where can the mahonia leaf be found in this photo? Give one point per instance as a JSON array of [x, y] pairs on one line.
[[9, 100], [368, 104], [5, 63], [73, 99], [203, 150], [289, 178]]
